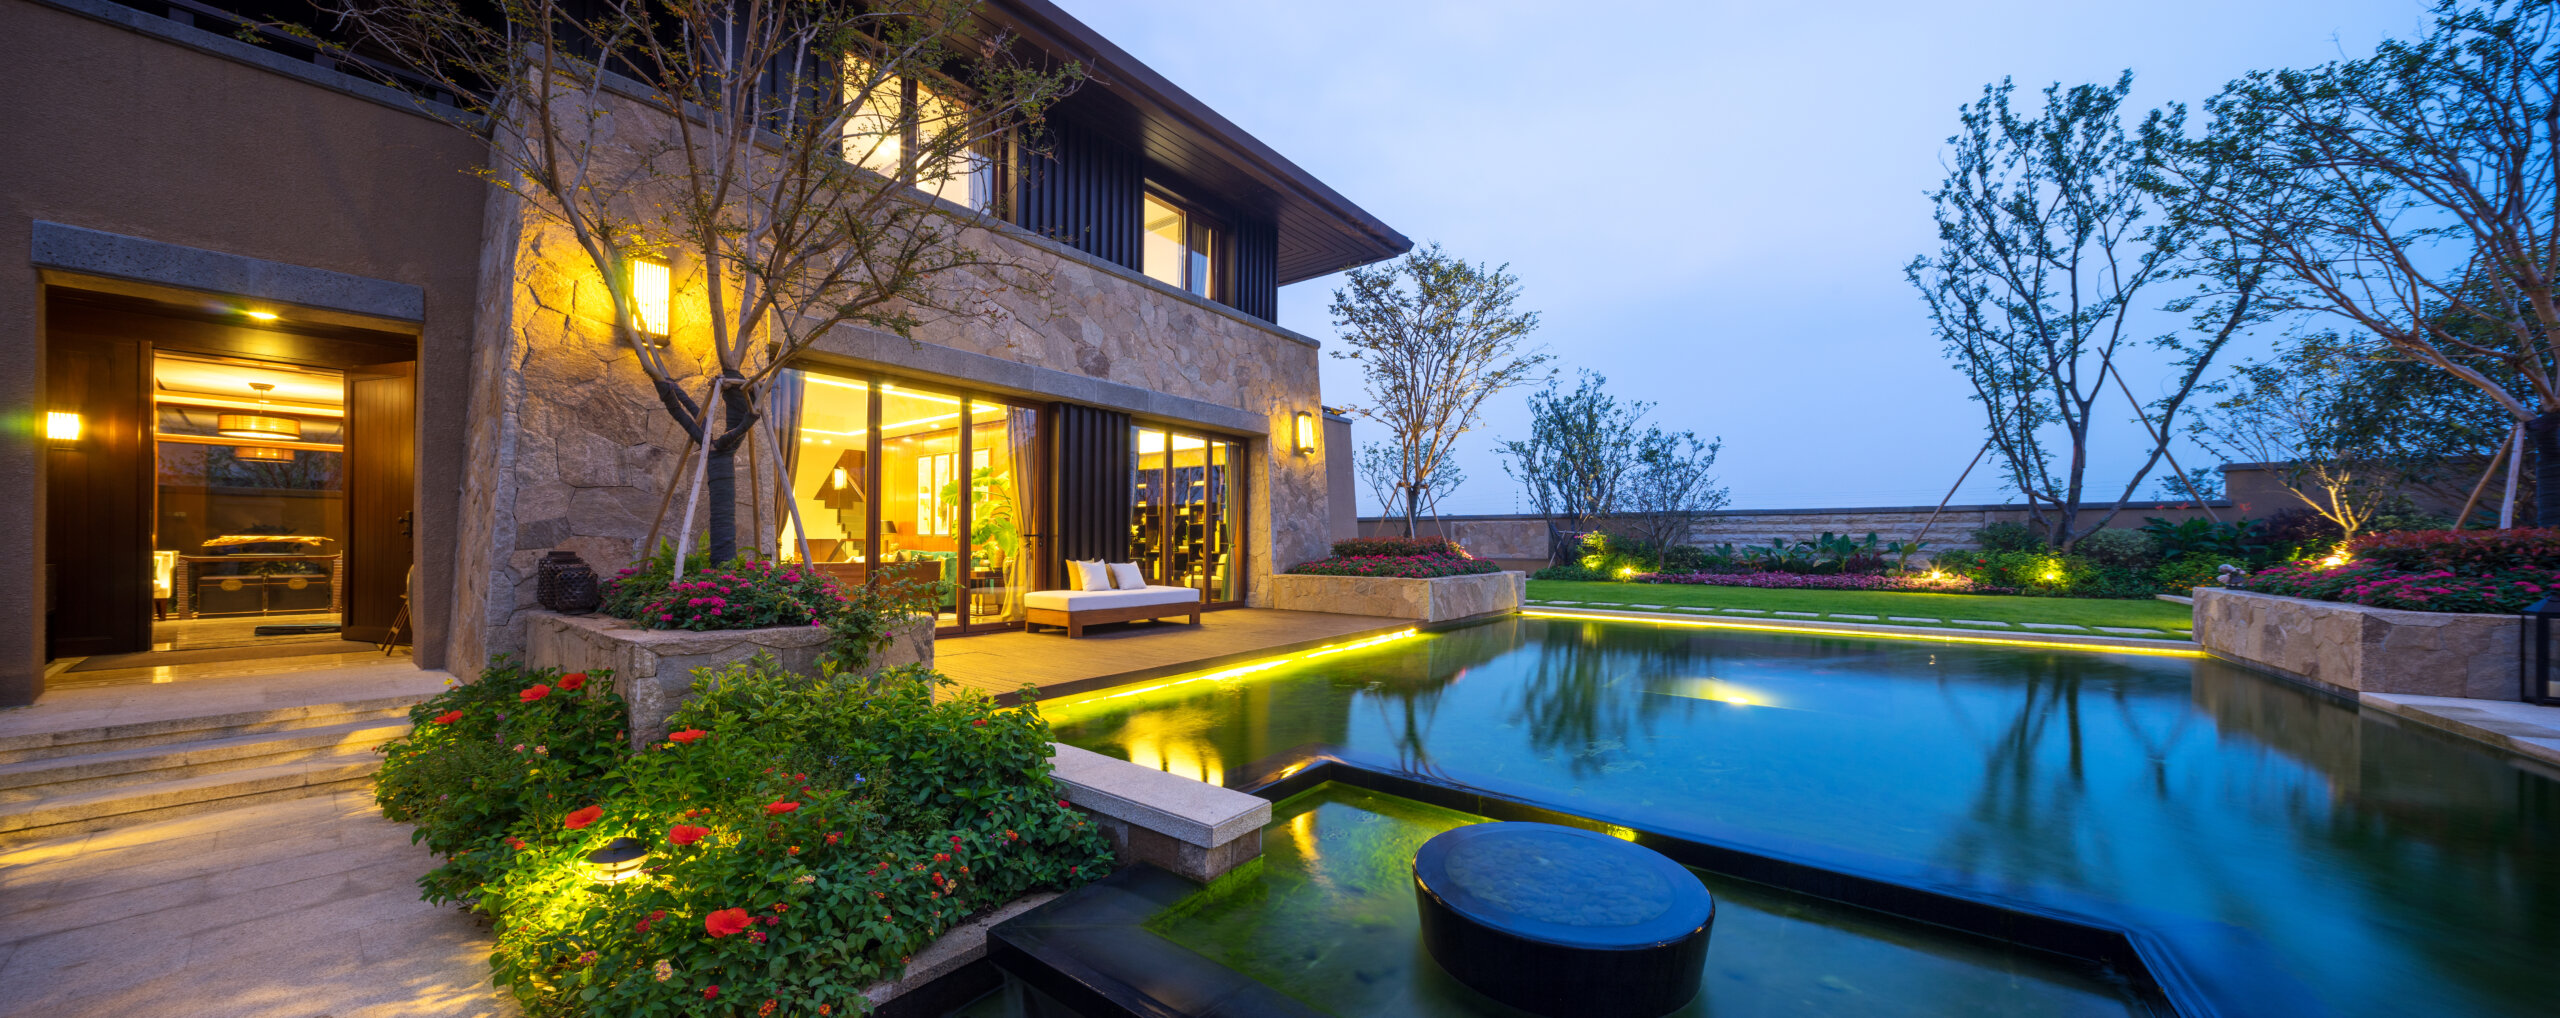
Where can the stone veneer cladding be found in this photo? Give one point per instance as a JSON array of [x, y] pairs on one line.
[[568, 447], [2351, 648]]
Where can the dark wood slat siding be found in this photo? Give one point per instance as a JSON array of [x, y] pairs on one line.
[[1079, 189], [1089, 511], [1257, 268]]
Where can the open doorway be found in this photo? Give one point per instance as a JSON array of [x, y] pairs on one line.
[[224, 482]]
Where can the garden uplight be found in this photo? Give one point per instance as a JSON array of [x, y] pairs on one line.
[[617, 861], [2336, 558]]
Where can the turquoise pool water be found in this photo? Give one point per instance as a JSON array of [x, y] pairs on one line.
[[2385, 869]]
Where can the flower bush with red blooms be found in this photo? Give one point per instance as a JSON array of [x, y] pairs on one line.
[[1834, 581], [469, 778], [2426, 570], [808, 837], [1407, 558], [741, 594]]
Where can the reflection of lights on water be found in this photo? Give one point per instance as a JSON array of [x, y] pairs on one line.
[[1154, 744], [1717, 690], [1240, 671], [1302, 834], [1620, 833], [1771, 627]]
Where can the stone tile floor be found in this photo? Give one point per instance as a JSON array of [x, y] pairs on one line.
[[296, 909], [2527, 729]]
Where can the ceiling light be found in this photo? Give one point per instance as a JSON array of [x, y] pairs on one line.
[[258, 426], [261, 454]]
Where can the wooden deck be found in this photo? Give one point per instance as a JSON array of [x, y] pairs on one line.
[[1114, 655]]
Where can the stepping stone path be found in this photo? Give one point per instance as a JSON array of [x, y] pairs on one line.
[[1977, 622], [1746, 611], [2054, 625], [1655, 607], [1900, 618], [1695, 609], [2128, 632], [1800, 615], [1869, 618]]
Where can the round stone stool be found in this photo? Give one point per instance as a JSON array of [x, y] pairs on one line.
[[1562, 922]]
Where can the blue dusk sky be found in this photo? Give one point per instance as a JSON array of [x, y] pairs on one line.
[[1710, 203]]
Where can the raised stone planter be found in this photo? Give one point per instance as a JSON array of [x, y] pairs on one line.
[[1435, 600], [1190, 827], [2351, 648], [653, 668]]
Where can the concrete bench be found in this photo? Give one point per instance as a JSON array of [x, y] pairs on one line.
[[1190, 827]]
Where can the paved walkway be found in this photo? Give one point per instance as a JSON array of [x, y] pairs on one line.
[[295, 909], [2513, 725]]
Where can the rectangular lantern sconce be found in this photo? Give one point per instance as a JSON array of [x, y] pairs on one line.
[[652, 292], [1306, 433], [61, 427]]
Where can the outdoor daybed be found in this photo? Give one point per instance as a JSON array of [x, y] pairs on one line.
[[1076, 609]]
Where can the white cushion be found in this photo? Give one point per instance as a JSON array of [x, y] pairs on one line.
[[1082, 600], [1125, 576], [1091, 576]]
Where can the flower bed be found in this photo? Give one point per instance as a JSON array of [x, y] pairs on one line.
[[743, 594], [804, 836], [1401, 558], [2425, 570], [1834, 581]]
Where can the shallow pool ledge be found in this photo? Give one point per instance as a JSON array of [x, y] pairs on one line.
[[1190, 827]]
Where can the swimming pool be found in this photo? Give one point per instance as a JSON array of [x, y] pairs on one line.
[[2385, 869]]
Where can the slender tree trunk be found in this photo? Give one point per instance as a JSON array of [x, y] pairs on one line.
[[720, 480], [1412, 507], [2545, 432]]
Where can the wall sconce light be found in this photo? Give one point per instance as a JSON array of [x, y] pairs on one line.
[[652, 293], [617, 861], [62, 428], [1306, 433]]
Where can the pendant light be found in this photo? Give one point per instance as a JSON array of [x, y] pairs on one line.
[[282, 429]]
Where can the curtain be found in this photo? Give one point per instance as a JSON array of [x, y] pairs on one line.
[[1022, 447], [784, 405]]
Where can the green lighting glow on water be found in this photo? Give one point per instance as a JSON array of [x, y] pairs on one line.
[[2387, 869], [1328, 917]]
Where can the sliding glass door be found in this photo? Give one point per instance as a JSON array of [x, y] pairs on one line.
[[1185, 509]]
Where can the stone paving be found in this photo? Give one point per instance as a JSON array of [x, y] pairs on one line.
[[294, 909]]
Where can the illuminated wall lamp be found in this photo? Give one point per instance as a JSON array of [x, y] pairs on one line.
[[617, 861], [1306, 423], [62, 428], [652, 295]]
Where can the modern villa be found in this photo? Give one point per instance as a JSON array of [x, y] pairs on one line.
[[288, 362]]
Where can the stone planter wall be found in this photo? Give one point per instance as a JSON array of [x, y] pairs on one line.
[[1435, 600], [2355, 649], [653, 668]]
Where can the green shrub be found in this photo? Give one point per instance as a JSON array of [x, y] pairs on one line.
[[2184, 575], [2115, 547], [805, 835], [1573, 571], [2238, 541], [740, 594], [2045, 574], [2463, 552], [1684, 558], [2008, 536], [481, 757]]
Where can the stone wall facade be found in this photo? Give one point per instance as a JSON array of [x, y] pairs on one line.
[[569, 448], [1433, 600], [653, 668], [2351, 648]]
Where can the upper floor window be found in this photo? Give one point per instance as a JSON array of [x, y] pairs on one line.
[[907, 128], [1179, 246]]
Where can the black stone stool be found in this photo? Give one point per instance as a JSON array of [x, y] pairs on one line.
[[1563, 922]]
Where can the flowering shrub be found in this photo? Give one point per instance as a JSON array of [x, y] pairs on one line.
[[2467, 552], [743, 594], [1407, 567], [1832, 581], [483, 755], [805, 836], [1396, 547], [2378, 584]]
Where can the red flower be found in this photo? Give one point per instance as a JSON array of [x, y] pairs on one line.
[[448, 717], [532, 693], [688, 735], [779, 808], [726, 921], [831, 838], [686, 834], [579, 819], [980, 723], [573, 681], [772, 921], [756, 935], [711, 992], [942, 857], [516, 843], [781, 907]]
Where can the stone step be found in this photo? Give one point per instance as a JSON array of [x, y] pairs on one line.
[[82, 812], [164, 731], [53, 777]]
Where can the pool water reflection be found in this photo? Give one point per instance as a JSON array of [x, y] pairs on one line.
[[2384, 868]]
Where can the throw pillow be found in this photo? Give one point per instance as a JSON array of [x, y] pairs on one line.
[[1093, 576], [1125, 576]]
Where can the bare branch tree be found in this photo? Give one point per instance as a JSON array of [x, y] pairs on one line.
[[817, 164], [2415, 194], [1436, 337]]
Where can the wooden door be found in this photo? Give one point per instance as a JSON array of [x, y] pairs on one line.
[[97, 499], [381, 477]]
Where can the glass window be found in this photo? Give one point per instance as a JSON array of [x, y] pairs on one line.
[[830, 471], [1176, 247], [905, 127], [249, 486], [1184, 510]]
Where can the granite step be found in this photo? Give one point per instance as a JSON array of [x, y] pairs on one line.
[[199, 728], [54, 777], [100, 809]]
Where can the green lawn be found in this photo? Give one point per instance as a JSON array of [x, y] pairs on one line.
[[1951, 611]]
